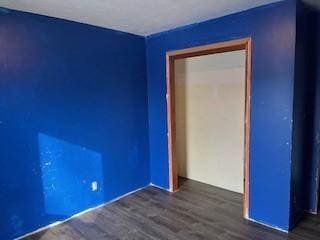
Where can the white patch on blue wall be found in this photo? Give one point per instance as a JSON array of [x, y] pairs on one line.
[[72, 176]]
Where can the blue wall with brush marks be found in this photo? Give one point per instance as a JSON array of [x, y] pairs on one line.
[[73, 111], [273, 29]]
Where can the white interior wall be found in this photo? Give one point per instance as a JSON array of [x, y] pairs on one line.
[[210, 104]]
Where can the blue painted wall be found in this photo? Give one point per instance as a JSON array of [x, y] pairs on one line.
[[301, 125], [314, 113], [273, 30], [306, 138], [73, 110], [314, 178], [312, 44], [76, 108], [318, 105]]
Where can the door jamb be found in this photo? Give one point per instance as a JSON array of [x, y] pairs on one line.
[[228, 46]]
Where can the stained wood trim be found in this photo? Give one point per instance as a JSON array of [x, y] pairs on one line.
[[173, 174], [247, 129], [221, 47], [234, 45]]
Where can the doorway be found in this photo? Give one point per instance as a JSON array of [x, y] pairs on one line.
[[199, 128]]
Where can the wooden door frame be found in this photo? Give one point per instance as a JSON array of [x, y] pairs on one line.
[[228, 46]]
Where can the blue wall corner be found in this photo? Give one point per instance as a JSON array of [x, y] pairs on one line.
[[304, 181], [273, 29], [73, 111], [306, 147], [70, 115]]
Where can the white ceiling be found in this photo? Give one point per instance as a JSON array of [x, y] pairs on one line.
[[142, 17]]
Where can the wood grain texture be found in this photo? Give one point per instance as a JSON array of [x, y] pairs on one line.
[[196, 211], [227, 46]]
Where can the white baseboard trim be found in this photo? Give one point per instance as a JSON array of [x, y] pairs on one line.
[[78, 214], [269, 226], [247, 218], [115, 199], [312, 212], [162, 188]]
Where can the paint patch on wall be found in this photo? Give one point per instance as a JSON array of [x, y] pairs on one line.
[[67, 179]]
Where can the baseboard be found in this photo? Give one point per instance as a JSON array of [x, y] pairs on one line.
[[269, 226], [122, 196], [78, 214], [313, 212], [247, 218], [157, 186]]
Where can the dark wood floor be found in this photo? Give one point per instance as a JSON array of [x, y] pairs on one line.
[[197, 211]]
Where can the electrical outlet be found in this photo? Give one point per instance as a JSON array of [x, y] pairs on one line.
[[94, 186]]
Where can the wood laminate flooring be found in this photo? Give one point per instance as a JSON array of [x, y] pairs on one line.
[[196, 211]]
